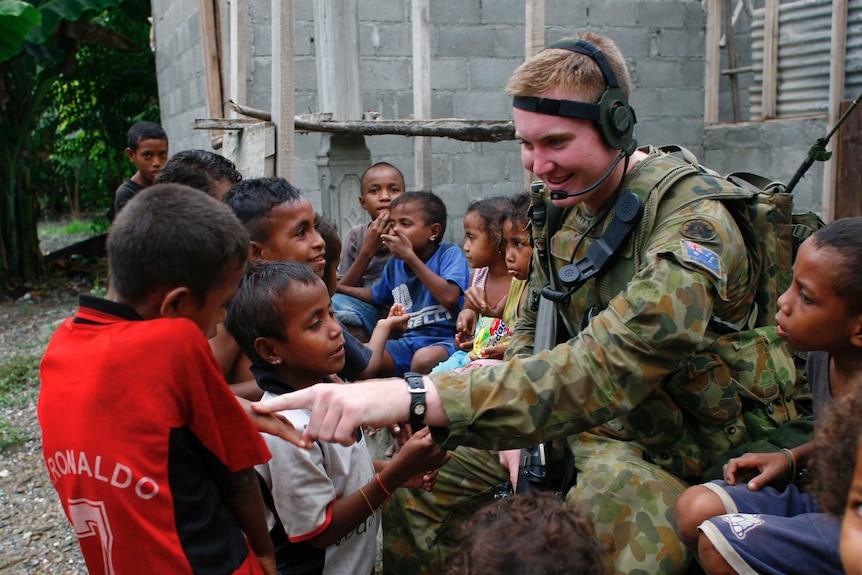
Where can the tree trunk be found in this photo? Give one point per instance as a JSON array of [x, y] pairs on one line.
[[20, 258]]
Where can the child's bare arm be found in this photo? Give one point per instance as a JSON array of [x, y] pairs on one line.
[[370, 246], [350, 511], [396, 322], [360, 293], [243, 497]]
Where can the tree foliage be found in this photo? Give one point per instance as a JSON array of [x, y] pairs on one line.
[[79, 78]]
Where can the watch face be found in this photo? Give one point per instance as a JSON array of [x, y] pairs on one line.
[[419, 410]]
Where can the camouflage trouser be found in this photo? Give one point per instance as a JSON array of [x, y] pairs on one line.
[[629, 500]]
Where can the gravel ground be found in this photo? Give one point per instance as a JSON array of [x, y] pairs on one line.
[[35, 537]]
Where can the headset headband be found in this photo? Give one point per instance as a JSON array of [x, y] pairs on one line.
[[612, 112]]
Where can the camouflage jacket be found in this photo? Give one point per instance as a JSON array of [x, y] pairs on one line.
[[645, 368]]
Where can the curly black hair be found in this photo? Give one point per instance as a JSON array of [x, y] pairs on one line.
[[529, 534]]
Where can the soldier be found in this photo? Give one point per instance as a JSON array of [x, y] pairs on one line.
[[639, 391]]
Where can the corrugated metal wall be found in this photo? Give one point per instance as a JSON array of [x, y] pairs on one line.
[[804, 39]]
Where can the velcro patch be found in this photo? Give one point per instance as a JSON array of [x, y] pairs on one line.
[[702, 256], [698, 229]]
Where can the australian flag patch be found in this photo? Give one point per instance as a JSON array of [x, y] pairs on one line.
[[698, 254]]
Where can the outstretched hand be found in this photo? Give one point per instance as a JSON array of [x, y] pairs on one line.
[[274, 424], [337, 410]]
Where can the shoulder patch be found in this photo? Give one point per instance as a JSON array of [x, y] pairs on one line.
[[706, 258], [698, 229]]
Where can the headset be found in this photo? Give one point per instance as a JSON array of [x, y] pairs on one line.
[[612, 113]]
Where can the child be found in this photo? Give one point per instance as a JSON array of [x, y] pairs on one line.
[[519, 254], [365, 254], [427, 276], [530, 534], [149, 451], [742, 523], [481, 333], [324, 516], [201, 170], [838, 485], [281, 224], [394, 323], [148, 150]]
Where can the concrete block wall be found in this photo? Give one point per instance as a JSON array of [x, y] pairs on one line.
[[475, 47]]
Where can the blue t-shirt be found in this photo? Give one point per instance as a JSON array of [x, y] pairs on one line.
[[428, 317]]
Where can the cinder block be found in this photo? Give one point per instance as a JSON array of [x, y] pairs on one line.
[[465, 41]]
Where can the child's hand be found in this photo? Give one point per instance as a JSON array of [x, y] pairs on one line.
[[771, 467], [399, 245], [419, 455], [397, 319], [494, 351], [424, 481], [465, 324], [474, 299], [375, 230]]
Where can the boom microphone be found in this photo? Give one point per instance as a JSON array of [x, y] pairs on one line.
[[562, 194]]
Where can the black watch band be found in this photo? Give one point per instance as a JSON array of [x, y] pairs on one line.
[[416, 386]]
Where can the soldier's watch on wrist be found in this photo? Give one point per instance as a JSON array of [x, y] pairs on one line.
[[416, 387]]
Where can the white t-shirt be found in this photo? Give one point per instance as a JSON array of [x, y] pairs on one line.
[[304, 482]]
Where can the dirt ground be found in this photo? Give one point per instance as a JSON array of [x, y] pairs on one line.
[[35, 537]]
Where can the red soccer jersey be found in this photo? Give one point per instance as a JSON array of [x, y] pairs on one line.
[[139, 432]]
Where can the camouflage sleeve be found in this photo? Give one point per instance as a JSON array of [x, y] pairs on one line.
[[646, 332]]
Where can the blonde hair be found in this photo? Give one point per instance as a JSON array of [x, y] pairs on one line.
[[570, 71]]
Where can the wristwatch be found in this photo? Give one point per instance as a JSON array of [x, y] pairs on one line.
[[416, 387]]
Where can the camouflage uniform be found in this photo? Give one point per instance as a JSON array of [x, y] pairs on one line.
[[644, 378]]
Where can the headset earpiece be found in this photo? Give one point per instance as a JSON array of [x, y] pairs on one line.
[[617, 121]]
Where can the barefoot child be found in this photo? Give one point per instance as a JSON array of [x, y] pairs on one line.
[[427, 276], [743, 524], [324, 516]]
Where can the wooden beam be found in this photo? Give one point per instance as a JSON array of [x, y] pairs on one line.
[[211, 44], [422, 90], [837, 69], [239, 50], [769, 87], [535, 27], [534, 19], [282, 86], [336, 40], [712, 76]]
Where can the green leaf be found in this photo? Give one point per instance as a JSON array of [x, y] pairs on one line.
[[17, 19], [54, 11]]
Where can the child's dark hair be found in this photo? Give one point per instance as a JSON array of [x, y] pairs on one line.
[[332, 252], [529, 534], [144, 131], [198, 169], [374, 167], [429, 203], [171, 235], [255, 311], [844, 236], [491, 211], [253, 200], [519, 205], [839, 429]]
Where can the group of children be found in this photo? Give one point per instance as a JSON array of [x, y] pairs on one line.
[[150, 450]]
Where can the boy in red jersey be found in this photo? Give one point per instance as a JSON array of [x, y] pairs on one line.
[[148, 449]]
